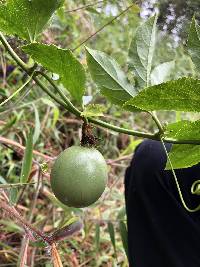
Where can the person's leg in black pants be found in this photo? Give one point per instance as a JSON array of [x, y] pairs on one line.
[[161, 232]]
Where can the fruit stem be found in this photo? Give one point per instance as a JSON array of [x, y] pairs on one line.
[[12, 212]]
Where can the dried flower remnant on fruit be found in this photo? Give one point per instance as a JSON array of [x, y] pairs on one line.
[[88, 139]]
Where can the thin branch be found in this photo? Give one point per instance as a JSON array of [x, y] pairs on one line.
[[103, 27], [11, 211], [13, 143], [86, 6], [49, 93], [16, 92], [71, 107], [113, 161], [24, 251], [29, 70], [55, 256], [13, 54], [26, 240]]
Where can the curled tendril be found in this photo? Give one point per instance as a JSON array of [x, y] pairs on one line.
[[195, 189], [195, 186]]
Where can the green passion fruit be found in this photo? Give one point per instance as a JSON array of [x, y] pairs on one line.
[[79, 176]]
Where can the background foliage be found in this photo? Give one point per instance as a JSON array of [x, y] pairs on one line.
[[102, 242]]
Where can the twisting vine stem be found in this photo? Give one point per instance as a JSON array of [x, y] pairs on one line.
[[66, 103], [71, 107]]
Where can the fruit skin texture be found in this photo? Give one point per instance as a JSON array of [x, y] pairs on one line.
[[79, 176]]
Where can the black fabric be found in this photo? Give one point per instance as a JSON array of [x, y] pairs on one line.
[[161, 233]]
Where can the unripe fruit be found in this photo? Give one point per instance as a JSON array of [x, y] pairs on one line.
[[79, 176]]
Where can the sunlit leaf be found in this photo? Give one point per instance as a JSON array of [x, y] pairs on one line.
[[183, 156], [109, 77], [180, 95], [161, 73], [26, 18], [141, 51], [56, 114], [93, 110], [194, 43], [62, 62], [183, 130]]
